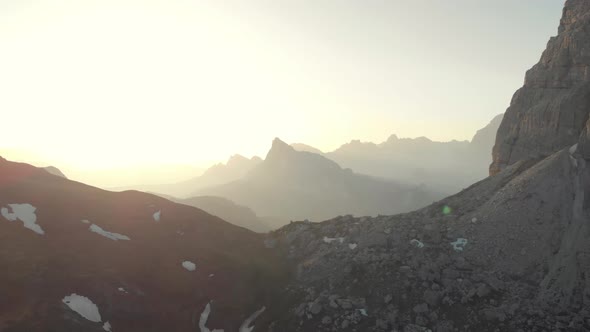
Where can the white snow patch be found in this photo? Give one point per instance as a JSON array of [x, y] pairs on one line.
[[245, 327], [157, 216], [26, 214], [474, 220], [460, 244], [417, 243], [121, 289], [107, 327], [352, 246], [333, 239], [363, 312], [113, 236], [190, 266], [204, 318], [85, 221], [211, 275], [573, 148], [83, 306]]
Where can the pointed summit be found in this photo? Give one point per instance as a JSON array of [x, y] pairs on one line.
[[279, 149]]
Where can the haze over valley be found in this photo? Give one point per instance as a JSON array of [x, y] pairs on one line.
[[295, 166]]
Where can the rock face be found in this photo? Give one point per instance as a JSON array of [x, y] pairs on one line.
[[555, 99]]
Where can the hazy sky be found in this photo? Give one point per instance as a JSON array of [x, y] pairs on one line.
[[118, 83]]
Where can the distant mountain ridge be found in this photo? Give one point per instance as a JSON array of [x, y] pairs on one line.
[[227, 210], [236, 167], [299, 185], [443, 166]]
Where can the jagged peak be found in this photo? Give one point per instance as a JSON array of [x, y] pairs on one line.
[[279, 148], [573, 11]]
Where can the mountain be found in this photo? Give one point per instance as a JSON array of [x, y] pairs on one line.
[[443, 166], [509, 253], [296, 185], [554, 99], [227, 210], [235, 168], [77, 258], [55, 171], [484, 139]]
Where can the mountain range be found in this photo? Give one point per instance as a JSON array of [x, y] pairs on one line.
[[295, 185], [300, 182], [509, 253], [443, 166]]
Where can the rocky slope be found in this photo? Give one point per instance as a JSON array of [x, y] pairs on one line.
[[509, 253], [77, 258]]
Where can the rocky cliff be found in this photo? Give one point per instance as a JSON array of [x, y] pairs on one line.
[[550, 111]]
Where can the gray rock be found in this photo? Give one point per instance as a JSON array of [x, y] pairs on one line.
[[483, 290], [315, 308], [421, 308], [387, 298], [432, 298], [415, 328]]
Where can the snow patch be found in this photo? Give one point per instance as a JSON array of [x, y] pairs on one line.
[[113, 236], [204, 318], [363, 312], [121, 289], [157, 216], [417, 243], [245, 327], [107, 327], [211, 275], [460, 244], [573, 148], [85, 221], [333, 239], [190, 266], [352, 246], [26, 214], [83, 306]]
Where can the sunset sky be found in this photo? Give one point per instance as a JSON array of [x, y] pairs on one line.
[[91, 86]]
